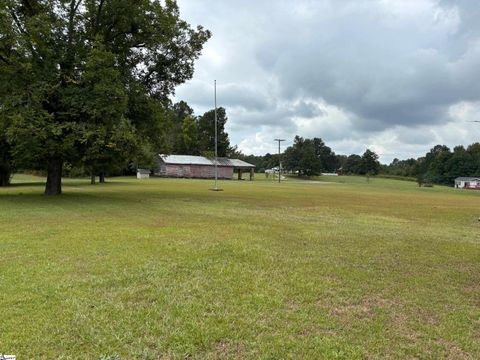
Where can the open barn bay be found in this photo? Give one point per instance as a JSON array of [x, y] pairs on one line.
[[165, 268]]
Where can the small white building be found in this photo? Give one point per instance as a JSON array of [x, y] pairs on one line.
[[143, 174], [467, 183]]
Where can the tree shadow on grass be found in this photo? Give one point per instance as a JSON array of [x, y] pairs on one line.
[[36, 189], [65, 183], [80, 193], [34, 199], [24, 184], [122, 193]]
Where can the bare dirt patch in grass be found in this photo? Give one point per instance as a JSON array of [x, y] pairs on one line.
[[365, 308], [227, 350], [453, 351]]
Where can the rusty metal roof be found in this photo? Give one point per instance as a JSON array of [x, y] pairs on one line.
[[240, 163], [201, 160], [222, 161], [186, 160]]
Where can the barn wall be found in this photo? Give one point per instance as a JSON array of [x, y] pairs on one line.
[[195, 171], [225, 172], [172, 170], [208, 172], [161, 169]]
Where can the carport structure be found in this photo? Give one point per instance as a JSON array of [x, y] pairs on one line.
[[241, 166]]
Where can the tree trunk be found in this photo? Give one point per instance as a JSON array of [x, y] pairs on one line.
[[92, 178], [54, 177], [102, 177], [4, 177]]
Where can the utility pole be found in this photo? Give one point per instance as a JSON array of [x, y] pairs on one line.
[[279, 160]]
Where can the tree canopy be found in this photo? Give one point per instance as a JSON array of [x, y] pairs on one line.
[[206, 133], [80, 76], [369, 164], [309, 157]]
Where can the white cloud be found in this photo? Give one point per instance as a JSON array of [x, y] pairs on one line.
[[397, 76]]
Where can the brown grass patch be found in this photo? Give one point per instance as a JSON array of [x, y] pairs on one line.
[[227, 350], [454, 352], [365, 308]]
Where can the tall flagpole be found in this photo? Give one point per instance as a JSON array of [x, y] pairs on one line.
[[279, 159], [216, 151], [216, 138]]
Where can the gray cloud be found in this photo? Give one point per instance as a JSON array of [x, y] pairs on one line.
[[387, 75], [229, 95], [353, 69]]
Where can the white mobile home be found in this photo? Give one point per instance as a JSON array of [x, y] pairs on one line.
[[467, 183]]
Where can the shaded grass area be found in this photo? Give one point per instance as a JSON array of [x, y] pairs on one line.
[[164, 268]]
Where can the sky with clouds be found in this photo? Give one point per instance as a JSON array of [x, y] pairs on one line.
[[396, 76]]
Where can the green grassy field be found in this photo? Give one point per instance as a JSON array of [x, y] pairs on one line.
[[164, 268]]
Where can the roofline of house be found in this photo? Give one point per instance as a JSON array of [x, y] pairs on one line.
[[218, 165], [211, 162]]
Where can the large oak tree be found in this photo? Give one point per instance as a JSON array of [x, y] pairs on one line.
[[83, 74]]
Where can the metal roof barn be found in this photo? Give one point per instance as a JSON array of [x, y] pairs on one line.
[[189, 166]]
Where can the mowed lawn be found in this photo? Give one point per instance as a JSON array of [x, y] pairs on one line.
[[165, 268]]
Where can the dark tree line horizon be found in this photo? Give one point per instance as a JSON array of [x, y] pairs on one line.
[[311, 157], [187, 133], [440, 165]]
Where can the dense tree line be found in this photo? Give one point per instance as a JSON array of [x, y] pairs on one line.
[[307, 157], [86, 83], [440, 165], [261, 162], [366, 164], [188, 134]]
